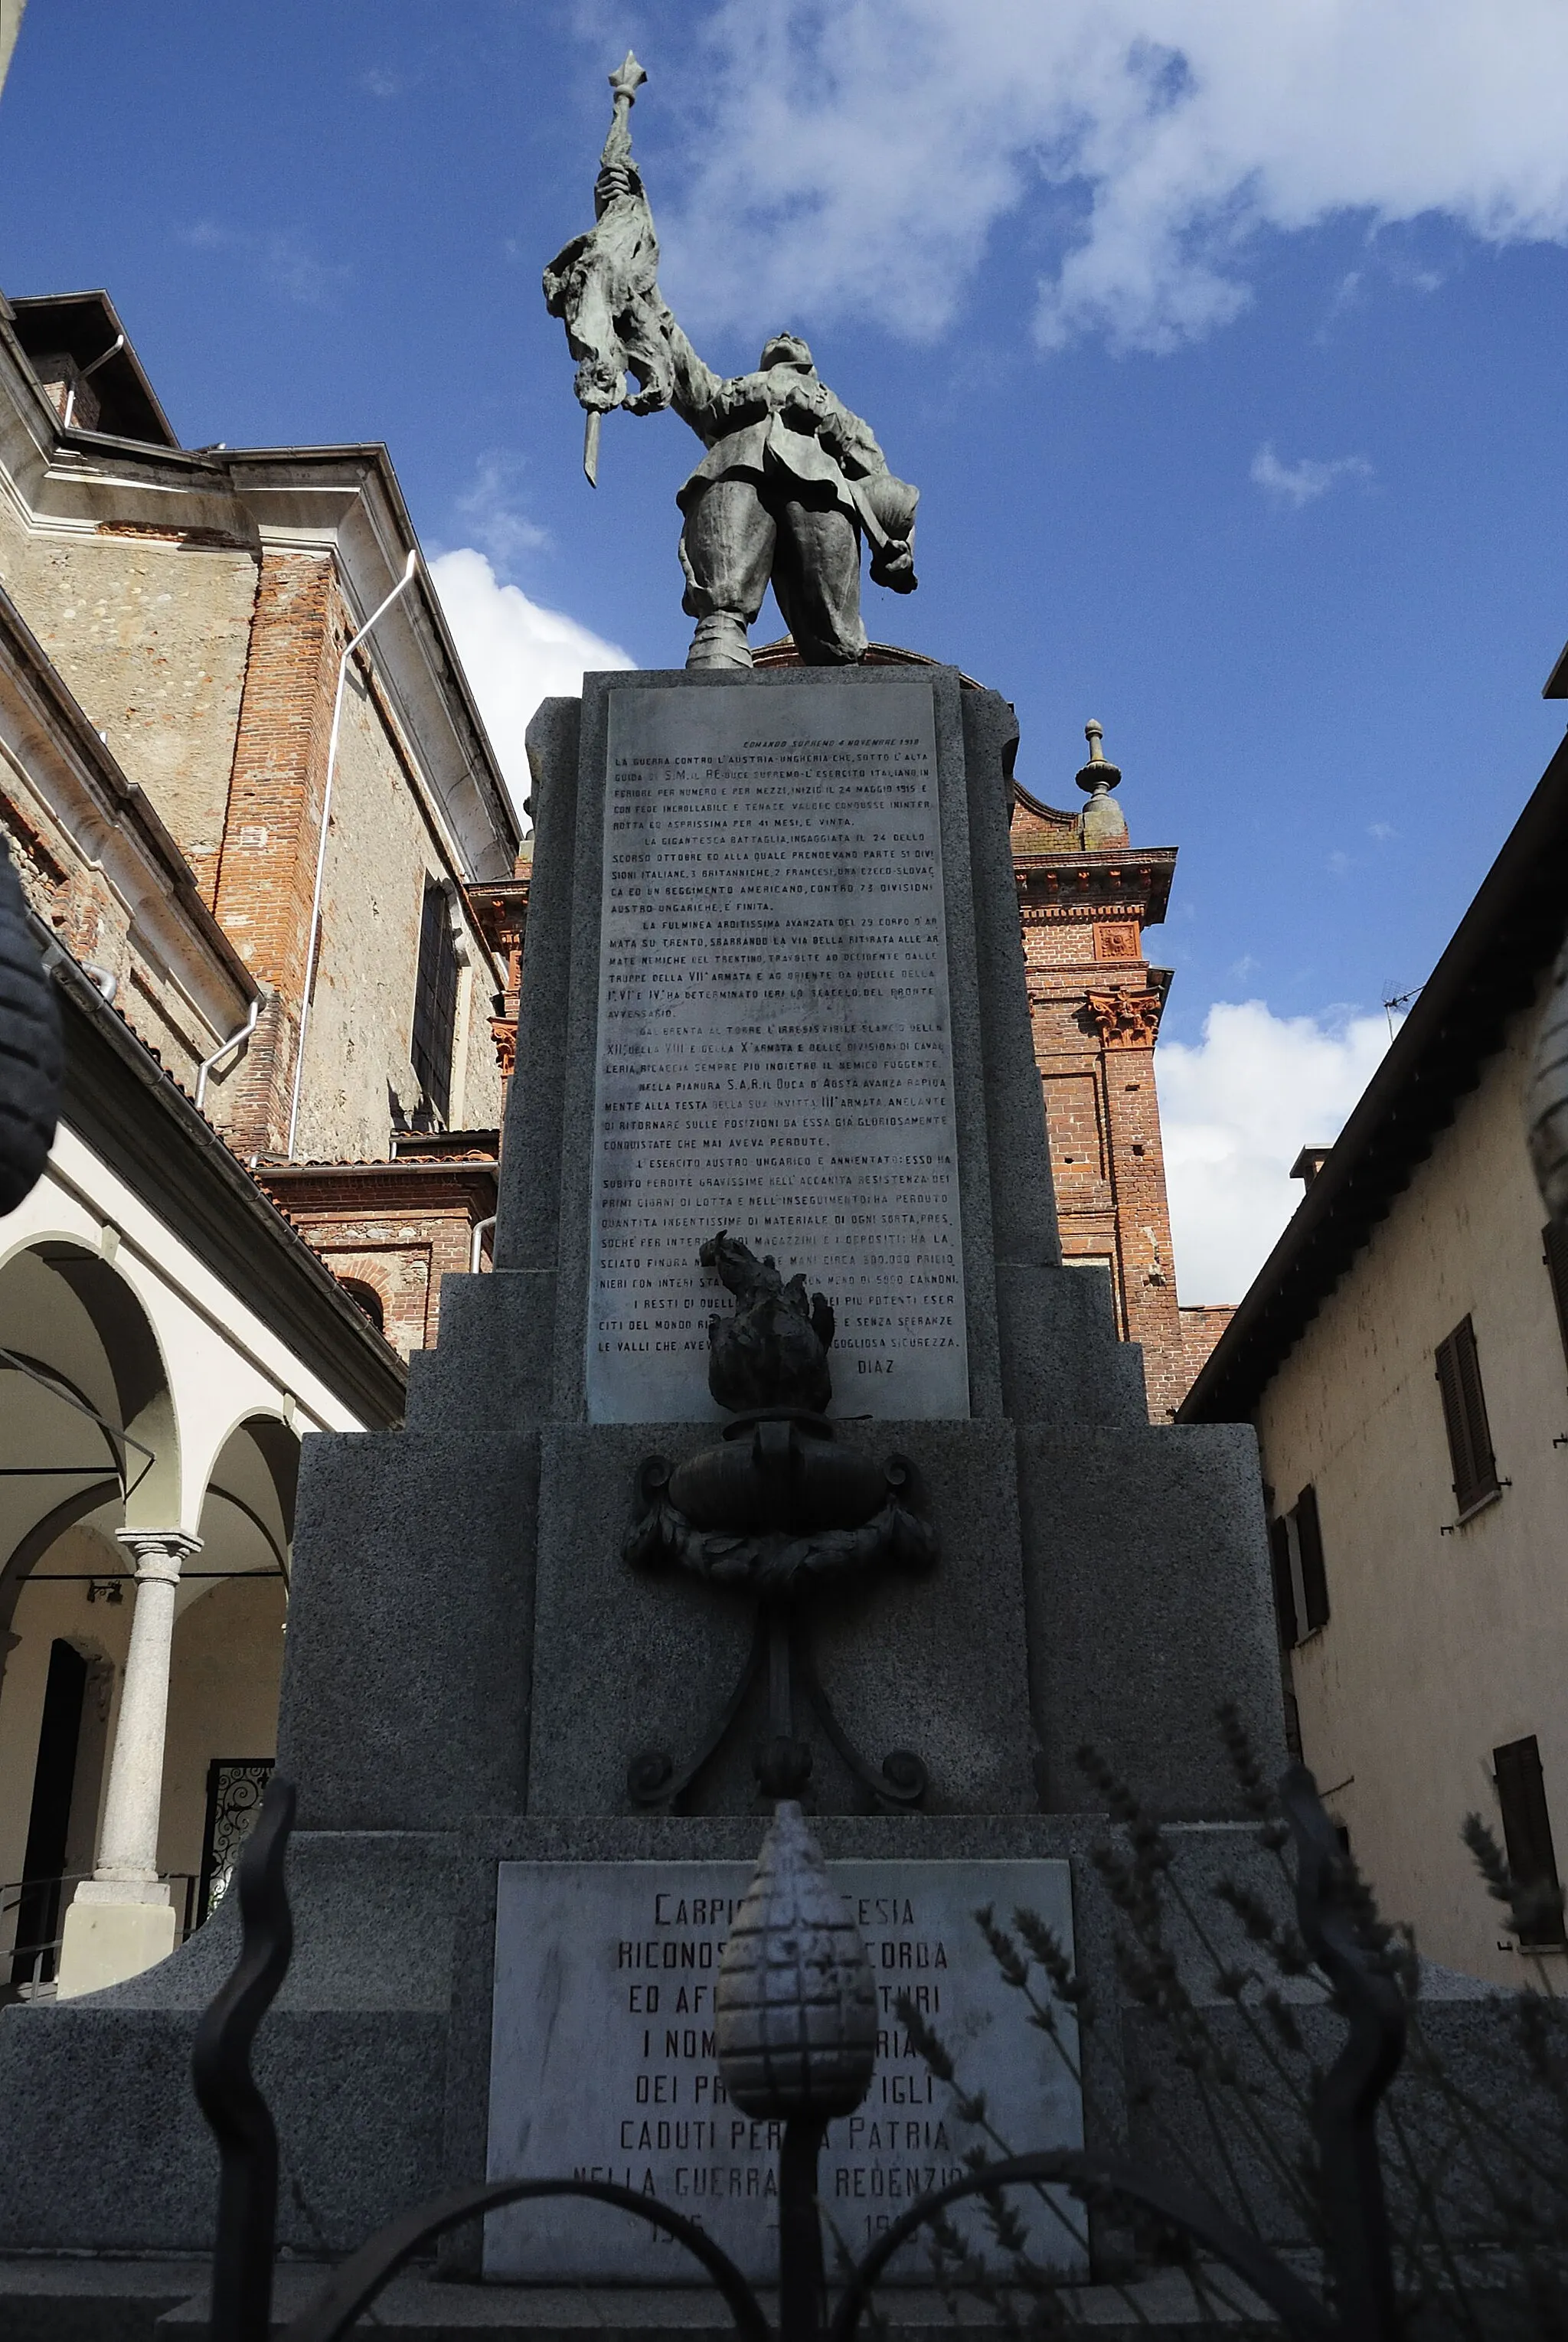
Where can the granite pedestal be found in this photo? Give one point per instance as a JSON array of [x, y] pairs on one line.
[[470, 1666]]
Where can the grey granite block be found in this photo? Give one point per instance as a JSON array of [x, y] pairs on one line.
[[109, 2150], [104, 2144], [1150, 1602], [410, 1643], [967, 1010], [1168, 2306], [1023, 1203], [528, 1209], [1062, 1359], [492, 1368], [87, 2299]]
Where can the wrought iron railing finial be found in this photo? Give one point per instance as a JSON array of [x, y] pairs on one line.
[[227, 2089]]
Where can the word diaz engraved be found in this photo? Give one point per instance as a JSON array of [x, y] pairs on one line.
[[603, 2063], [774, 1047]]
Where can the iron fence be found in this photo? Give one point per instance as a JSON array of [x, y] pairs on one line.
[[1359, 2305]]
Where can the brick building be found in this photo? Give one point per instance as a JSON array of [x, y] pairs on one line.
[[1087, 895], [326, 799], [391, 1231], [246, 786]]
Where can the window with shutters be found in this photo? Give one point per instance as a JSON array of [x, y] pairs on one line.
[[1527, 1835], [1310, 1562], [1301, 1580], [1475, 1480], [435, 1003], [1284, 1588], [1554, 1253]]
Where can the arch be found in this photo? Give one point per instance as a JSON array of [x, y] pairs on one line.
[[30, 1550], [365, 1295], [247, 1508], [93, 1338], [86, 1411], [226, 1660]]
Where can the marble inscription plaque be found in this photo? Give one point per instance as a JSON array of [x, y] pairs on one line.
[[774, 1047], [603, 2063]]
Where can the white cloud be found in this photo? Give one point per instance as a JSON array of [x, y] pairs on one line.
[[855, 157], [516, 653], [1299, 484], [503, 529], [287, 264], [1235, 1110]]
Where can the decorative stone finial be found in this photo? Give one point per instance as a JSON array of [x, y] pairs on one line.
[[795, 2002], [1097, 775], [1102, 824], [626, 80]]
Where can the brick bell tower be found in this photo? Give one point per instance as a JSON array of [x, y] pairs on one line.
[[1087, 895]]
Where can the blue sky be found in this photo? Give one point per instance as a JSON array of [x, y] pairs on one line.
[[1227, 345]]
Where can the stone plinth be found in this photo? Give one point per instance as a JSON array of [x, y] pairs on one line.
[[472, 1666]]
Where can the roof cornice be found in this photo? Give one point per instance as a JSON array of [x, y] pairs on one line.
[[343, 502], [1134, 879], [297, 1186]]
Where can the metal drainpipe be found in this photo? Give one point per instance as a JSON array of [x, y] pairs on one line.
[[113, 350], [476, 1248], [348, 650], [205, 1068]]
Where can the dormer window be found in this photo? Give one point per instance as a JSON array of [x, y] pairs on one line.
[[87, 368]]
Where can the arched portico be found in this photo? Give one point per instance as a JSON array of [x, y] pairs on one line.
[[227, 1663], [143, 1541], [88, 1442]]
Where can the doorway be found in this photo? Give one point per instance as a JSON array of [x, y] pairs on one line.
[[42, 1891]]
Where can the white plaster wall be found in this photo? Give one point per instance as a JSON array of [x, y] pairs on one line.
[[1439, 1647], [224, 1684]]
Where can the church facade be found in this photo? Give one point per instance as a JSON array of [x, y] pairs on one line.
[[246, 790]]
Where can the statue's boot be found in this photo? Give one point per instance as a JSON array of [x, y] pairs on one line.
[[719, 641]]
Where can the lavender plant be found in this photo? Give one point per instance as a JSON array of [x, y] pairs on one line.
[[1209, 2062]]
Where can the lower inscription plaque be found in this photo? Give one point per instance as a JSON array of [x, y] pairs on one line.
[[603, 2065]]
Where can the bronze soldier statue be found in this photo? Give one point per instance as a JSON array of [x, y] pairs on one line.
[[792, 480]]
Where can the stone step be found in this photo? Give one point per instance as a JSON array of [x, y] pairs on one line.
[[46, 2298]]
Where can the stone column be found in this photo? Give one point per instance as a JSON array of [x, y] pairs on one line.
[[120, 1920]]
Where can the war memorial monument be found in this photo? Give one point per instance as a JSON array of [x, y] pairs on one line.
[[780, 1458]]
